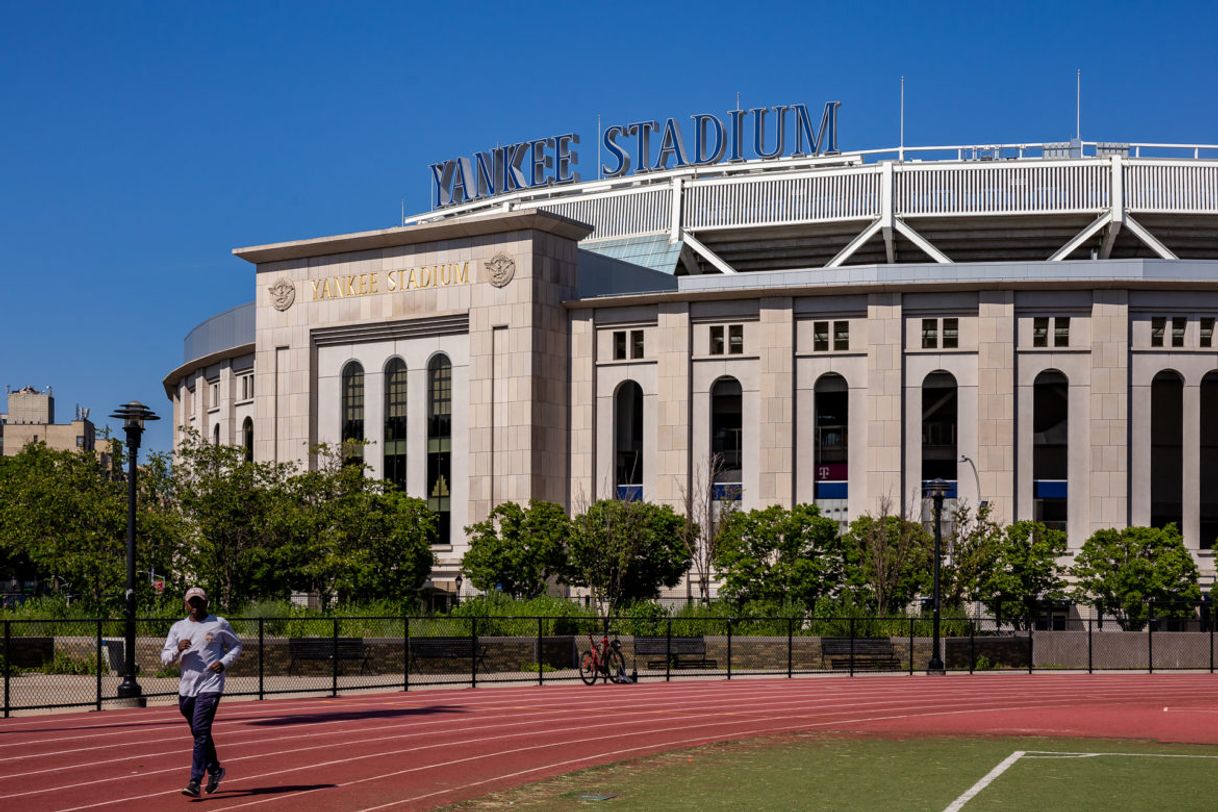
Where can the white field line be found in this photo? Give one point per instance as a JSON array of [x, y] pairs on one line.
[[984, 781], [1051, 754]]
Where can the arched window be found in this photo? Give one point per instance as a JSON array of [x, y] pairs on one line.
[[439, 441], [353, 412], [832, 422], [628, 441], [1050, 447], [1209, 460], [215, 434], [247, 438], [395, 422], [939, 414], [727, 430], [1166, 449]]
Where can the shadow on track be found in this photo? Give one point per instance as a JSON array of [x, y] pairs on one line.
[[351, 716], [228, 795]]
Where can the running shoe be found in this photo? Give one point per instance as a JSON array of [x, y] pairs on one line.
[[213, 780], [191, 790]]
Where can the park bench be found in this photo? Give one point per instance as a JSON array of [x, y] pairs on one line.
[[870, 654], [350, 649], [30, 652], [686, 652], [446, 648]]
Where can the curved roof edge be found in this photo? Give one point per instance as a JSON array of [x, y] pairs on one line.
[[231, 328]]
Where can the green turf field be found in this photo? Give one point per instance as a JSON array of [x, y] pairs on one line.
[[838, 772]]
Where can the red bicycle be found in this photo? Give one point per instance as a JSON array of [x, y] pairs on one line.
[[603, 659]]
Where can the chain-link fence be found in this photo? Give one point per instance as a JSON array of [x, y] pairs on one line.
[[50, 664]]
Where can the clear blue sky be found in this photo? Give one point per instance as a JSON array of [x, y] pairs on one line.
[[141, 142]]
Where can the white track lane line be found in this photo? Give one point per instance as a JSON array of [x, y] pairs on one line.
[[538, 716], [533, 718], [782, 691], [984, 781]]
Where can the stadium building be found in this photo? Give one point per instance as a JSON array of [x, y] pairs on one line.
[[755, 312]]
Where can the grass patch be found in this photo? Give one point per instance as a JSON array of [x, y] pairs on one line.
[[835, 772]]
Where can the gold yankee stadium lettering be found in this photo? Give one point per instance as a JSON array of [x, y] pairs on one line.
[[366, 284]]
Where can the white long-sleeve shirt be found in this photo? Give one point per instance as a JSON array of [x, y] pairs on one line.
[[211, 639]]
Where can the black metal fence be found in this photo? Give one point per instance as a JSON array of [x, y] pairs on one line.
[[78, 663]]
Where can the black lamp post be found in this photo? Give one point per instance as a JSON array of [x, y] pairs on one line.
[[457, 594], [133, 415], [936, 489]]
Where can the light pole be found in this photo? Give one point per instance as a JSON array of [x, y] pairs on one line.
[[936, 489], [457, 594], [133, 415]]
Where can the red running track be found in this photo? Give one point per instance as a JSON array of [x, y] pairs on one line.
[[424, 749]]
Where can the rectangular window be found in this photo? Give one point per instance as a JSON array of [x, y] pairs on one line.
[[619, 345], [735, 339], [80, 441], [1157, 326], [820, 336], [841, 335], [716, 340], [1178, 324], [247, 387], [1040, 332], [951, 333], [1061, 331], [214, 394], [636, 343], [1207, 331], [930, 334]]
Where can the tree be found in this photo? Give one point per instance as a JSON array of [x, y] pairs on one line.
[[706, 517], [229, 505], [61, 513], [779, 556], [973, 544], [516, 549], [894, 558], [1021, 570], [348, 537], [1120, 571], [624, 551]]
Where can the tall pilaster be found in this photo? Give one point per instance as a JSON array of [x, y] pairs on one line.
[[885, 364], [996, 401], [777, 357]]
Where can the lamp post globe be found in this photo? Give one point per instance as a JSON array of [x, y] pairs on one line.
[[936, 489], [133, 415]]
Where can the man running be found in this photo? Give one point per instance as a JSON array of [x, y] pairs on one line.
[[206, 646]]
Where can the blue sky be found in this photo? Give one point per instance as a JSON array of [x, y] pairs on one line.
[[141, 142]]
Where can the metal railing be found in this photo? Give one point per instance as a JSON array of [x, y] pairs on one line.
[[50, 664]]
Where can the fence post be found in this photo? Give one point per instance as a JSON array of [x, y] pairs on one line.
[[668, 653], [473, 652], [261, 658], [8, 664], [406, 653], [1150, 637], [1031, 644], [1211, 625], [911, 636], [541, 674], [99, 664], [334, 660], [1090, 663], [790, 645], [852, 646], [729, 648], [972, 646]]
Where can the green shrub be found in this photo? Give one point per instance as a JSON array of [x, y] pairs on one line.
[[63, 663]]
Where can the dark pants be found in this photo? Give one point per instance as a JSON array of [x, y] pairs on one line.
[[199, 712]]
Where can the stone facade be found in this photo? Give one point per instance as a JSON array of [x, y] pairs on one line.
[[537, 368]]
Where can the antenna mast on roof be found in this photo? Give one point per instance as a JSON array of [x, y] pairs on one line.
[[1078, 104], [901, 149]]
